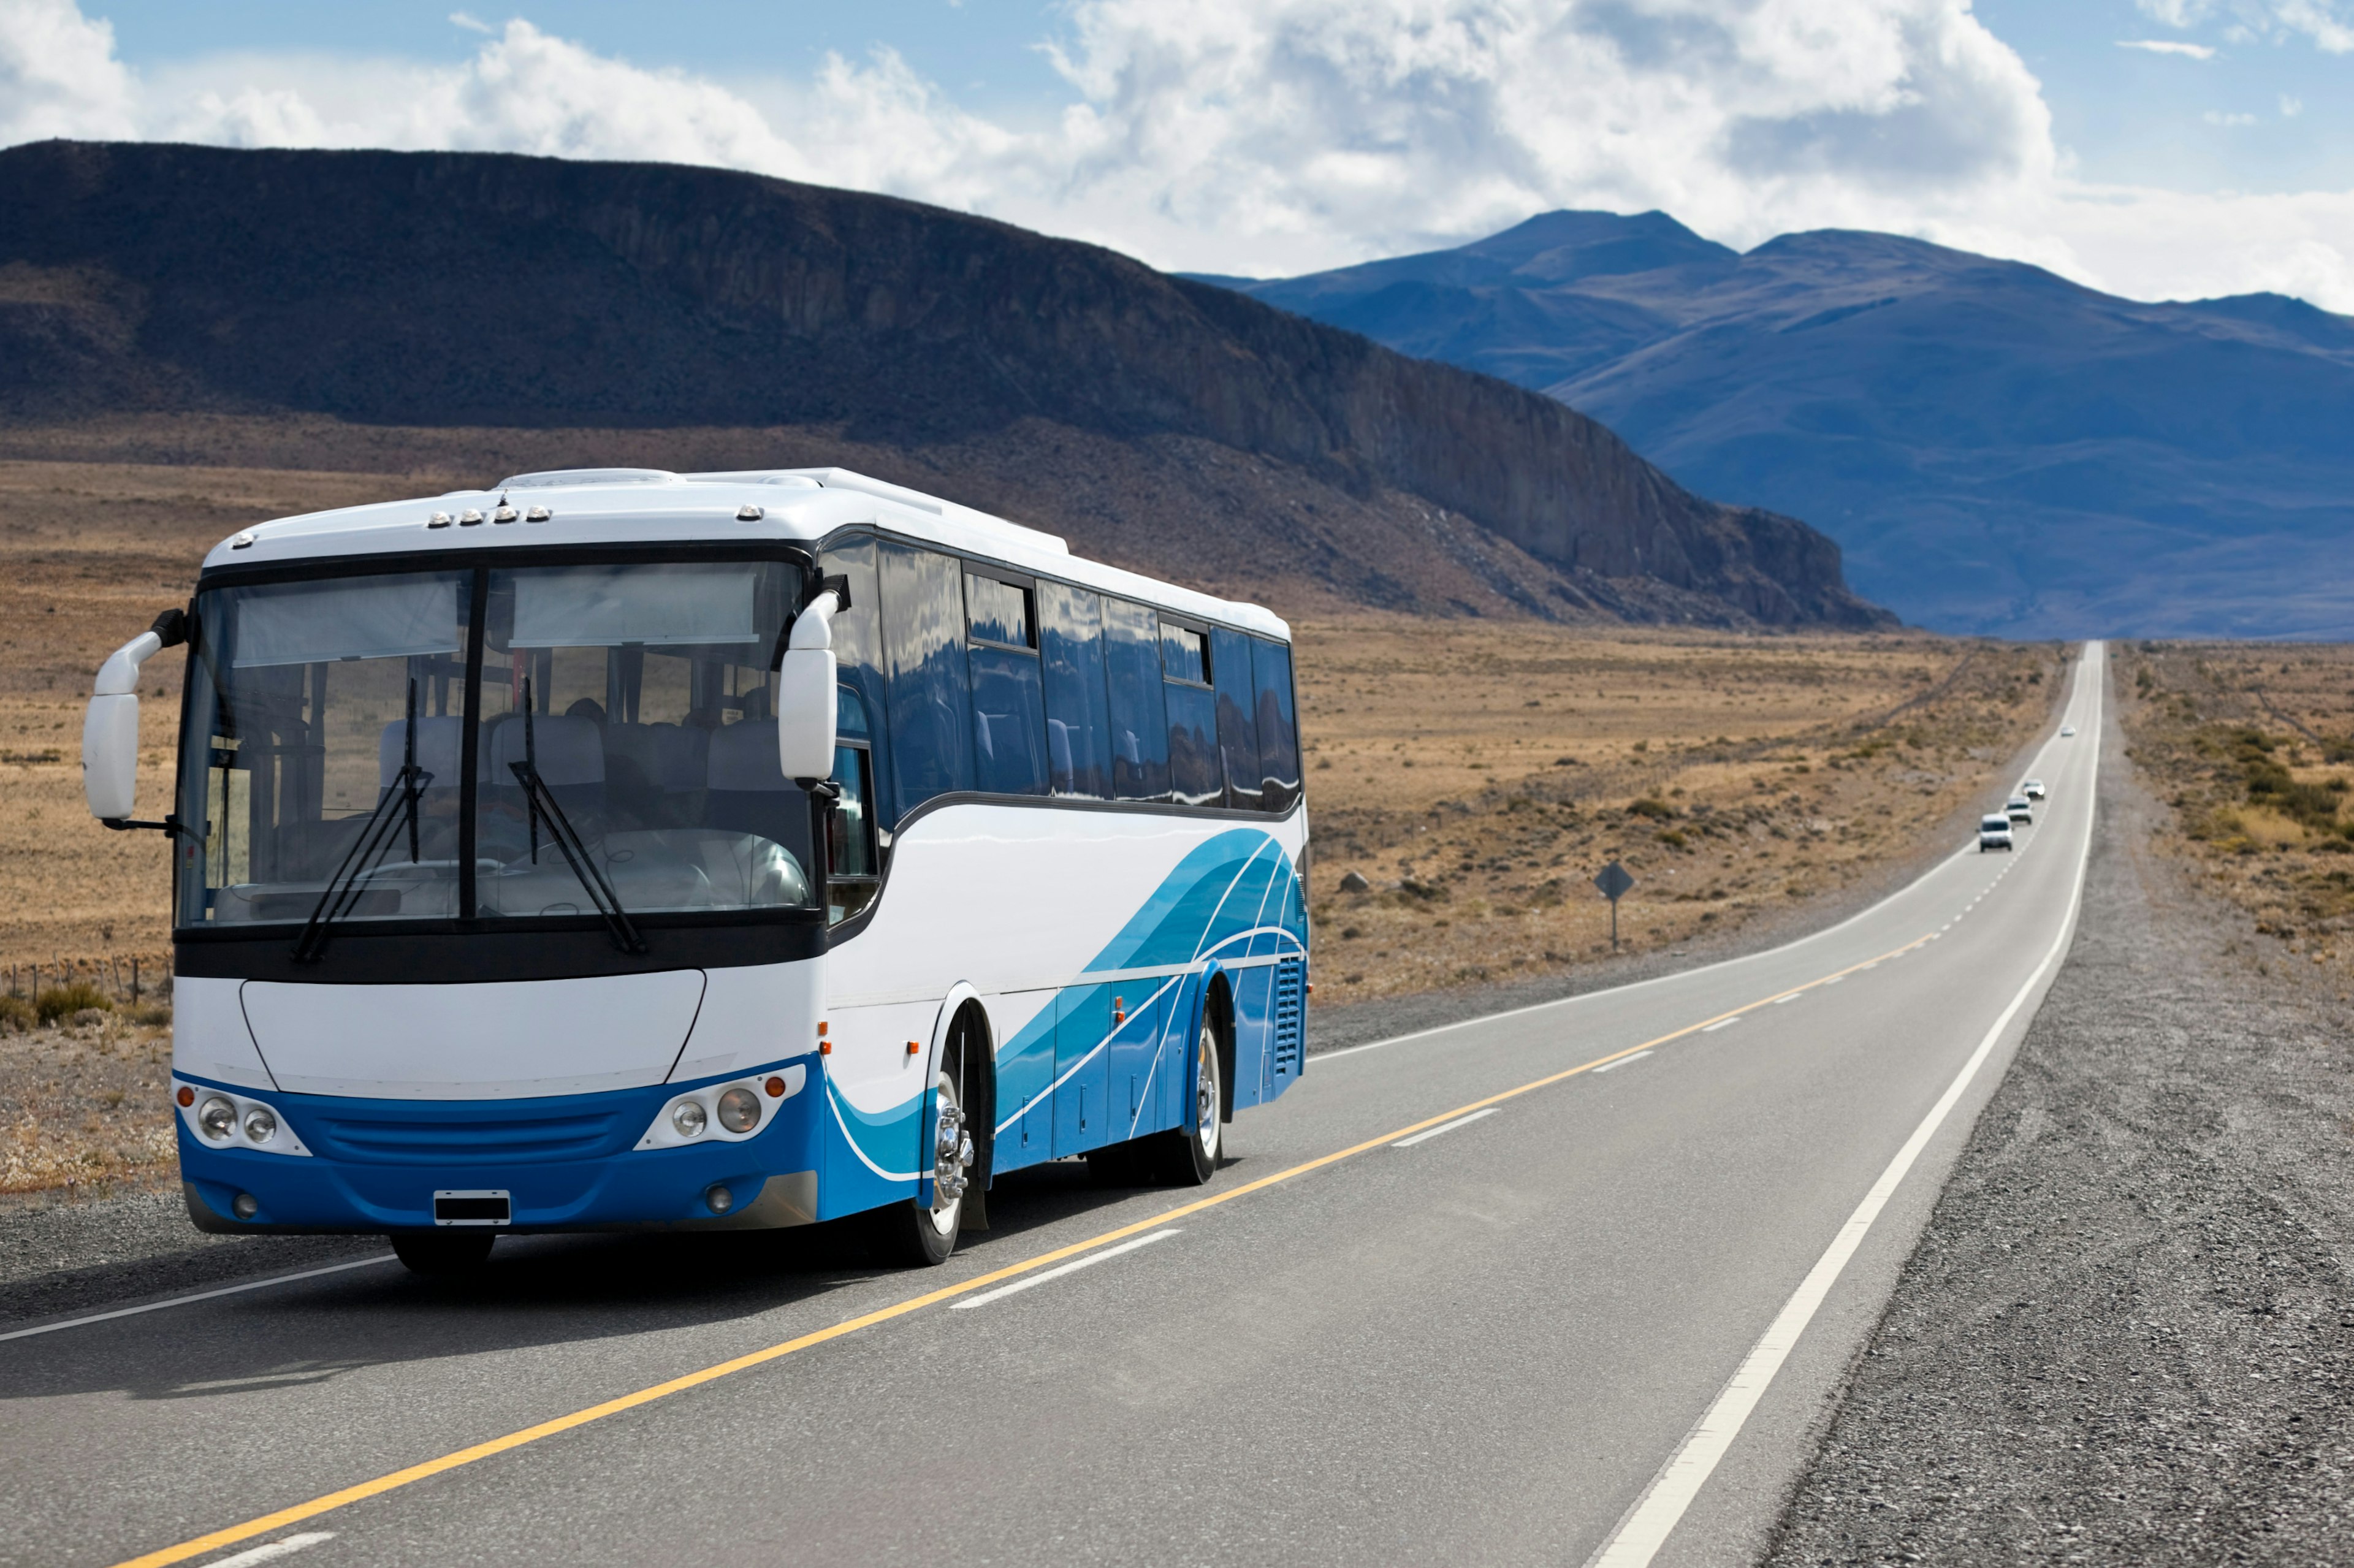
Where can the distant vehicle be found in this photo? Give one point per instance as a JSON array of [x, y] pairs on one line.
[[2067, 730], [2032, 789], [1994, 832], [2018, 810]]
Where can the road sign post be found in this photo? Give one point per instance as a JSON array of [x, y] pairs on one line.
[[1614, 881]]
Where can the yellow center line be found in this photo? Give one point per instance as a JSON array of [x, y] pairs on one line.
[[263, 1524]]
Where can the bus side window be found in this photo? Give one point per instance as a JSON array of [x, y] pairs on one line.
[[1279, 732], [1230, 657], [858, 652], [929, 701], [1140, 724], [1078, 718], [851, 864], [1009, 725], [1193, 771]]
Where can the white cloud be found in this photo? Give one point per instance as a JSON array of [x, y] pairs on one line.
[[2217, 117], [58, 76], [1271, 137], [2323, 22], [2291, 108], [2169, 46]]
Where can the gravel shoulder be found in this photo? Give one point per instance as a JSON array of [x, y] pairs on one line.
[[2125, 1335]]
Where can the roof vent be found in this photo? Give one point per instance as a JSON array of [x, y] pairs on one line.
[[537, 514], [242, 541], [470, 518], [506, 514], [439, 520], [748, 512], [564, 478]]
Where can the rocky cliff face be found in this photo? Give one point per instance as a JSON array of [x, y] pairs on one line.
[[442, 291]]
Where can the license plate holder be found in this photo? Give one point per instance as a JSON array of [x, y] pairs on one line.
[[473, 1207]]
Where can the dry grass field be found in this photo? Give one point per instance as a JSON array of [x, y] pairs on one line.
[[1474, 773], [2252, 745], [1477, 773]]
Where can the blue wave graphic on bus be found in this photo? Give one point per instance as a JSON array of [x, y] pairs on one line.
[[1235, 895]]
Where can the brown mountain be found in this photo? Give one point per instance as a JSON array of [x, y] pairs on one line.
[[467, 308]]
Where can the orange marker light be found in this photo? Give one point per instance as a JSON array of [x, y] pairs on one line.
[[776, 1087], [912, 1048], [821, 1028], [187, 1095], [825, 1047]]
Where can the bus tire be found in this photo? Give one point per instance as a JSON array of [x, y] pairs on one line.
[[443, 1253], [1189, 1154], [923, 1234]]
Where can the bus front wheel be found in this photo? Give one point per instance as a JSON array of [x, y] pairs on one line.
[[925, 1234]]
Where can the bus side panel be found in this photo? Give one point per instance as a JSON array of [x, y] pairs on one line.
[[1174, 1077], [1135, 1066], [1025, 1070], [1082, 1070], [873, 1101], [1252, 1023]]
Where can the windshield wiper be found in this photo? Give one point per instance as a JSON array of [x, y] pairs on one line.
[[539, 801], [341, 895]]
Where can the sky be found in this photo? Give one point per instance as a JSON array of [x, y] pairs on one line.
[[2160, 149]]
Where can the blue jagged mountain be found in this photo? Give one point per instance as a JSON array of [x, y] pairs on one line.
[[1996, 448]]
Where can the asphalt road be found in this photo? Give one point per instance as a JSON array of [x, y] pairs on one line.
[[1604, 1315]]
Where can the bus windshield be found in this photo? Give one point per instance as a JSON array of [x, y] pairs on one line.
[[629, 705]]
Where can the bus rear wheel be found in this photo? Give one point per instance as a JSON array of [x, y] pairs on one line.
[[443, 1253], [1189, 1154], [925, 1233]]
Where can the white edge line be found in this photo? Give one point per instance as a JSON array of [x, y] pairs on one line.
[[1612, 1067], [1647, 1525], [1865, 913], [1072, 1267], [1443, 1127], [276, 1549], [198, 1296]]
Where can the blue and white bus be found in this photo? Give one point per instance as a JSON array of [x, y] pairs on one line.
[[622, 849]]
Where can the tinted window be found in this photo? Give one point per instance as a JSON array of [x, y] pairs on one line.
[[1183, 655], [1237, 718], [858, 649], [1279, 732], [928, 705], [1195, 778], [1140, 731], [998, 612], [1078, 718], [1009, 729]]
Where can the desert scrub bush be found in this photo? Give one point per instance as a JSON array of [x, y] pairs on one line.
[[1651, 806], [155, 1014], [16, 1015], [65, 1001]]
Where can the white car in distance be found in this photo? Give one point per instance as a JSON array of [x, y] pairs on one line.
[[1994, 832], [2032, 789], [2019, 808], [2067, 731]]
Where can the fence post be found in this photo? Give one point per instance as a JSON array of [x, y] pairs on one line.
[[134, 979]]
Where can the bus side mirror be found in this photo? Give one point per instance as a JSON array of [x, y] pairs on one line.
[[805, 694], [109, 731]]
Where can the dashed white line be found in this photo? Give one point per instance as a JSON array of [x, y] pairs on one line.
[[1719, 1023], [272, 1552], [1018, 1286], [198, 1296], [1451, 1126], [1780, 1000], [1613, 1067]]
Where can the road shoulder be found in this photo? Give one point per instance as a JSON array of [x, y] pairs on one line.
[[2123, 1335]]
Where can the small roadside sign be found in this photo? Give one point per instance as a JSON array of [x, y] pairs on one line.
[[1614, 881]]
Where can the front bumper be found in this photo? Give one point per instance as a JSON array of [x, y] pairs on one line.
[[569, 1163]]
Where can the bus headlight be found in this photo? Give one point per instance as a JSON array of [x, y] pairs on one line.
[[220, 1115], [688, 1116], [739, 1109]]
